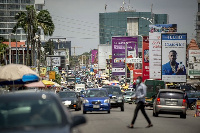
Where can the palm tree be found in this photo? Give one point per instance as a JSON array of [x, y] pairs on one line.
[[30, 22]]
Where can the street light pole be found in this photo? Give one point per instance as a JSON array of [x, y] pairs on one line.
[[9, 48]]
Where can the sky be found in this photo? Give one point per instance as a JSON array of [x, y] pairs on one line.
[[78, 20]]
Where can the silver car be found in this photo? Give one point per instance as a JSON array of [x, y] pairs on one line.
[[128, 95], [170, 101]]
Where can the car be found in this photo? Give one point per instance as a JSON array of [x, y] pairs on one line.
[[116, 96], [35, 112], [193, 96], [128, 95], [70, 99], [170, 101], [96, 99]]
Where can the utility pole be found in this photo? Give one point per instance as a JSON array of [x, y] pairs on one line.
[[75, 49]]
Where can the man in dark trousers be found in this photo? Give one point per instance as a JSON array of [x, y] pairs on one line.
[[140, 100]]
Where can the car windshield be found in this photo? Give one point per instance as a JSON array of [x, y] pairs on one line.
[[193, 94], [30, 113], [96, 93], [172, 95], [113, 90], [67, 94], [129, 93]]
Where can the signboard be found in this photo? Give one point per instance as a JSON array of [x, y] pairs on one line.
[[43, 71], [145, 58], [155, 47], [94, 56], [198, 108], [194, 63], [52, 75], [118, 52], [136, 73], [53, 61], [133, 60], [174, 57]]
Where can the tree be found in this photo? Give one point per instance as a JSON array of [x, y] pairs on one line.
[[3, 48], [31, 22]]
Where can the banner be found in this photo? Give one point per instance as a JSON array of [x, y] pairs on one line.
[[118, 52], [145, 58], [94, 56], [155, 47], [53, 61], [194, 63], [174, 57]]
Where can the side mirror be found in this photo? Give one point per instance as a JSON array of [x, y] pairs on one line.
[[78, 120], [110, 95]]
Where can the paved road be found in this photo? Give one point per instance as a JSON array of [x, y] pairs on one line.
[[116, 122]]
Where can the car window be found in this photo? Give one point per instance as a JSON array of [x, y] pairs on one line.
[[30, 113], [173, 95], [67, 95], [96, 93], [113, 90]]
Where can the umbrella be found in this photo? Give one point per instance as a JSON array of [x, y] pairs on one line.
[[35, 84], [17, 74], [47, 82]]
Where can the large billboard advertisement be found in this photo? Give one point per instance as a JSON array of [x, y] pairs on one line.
[[155, 47], [145, 58], [174, 57], [194, 63], [94, 56], [118, 52]]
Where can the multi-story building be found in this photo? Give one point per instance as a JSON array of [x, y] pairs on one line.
[[8, 10], [127, 23], [198, 24]]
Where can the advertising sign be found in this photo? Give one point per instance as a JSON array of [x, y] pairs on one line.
[[155, 47], [145, 58], [136, 73], [53, 61], [174, 57], [52, 74], [118, 52], [43, 71], [94, 56], [194, 63]]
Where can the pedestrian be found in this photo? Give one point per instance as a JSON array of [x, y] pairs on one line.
[[140, 100]]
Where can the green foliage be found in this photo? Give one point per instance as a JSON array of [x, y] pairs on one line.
[[57, 78]]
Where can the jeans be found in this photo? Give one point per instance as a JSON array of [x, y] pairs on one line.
[[140, 106]]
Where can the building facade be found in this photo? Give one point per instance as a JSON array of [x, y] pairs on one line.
[[127, 23], [198, 24], [8, 10]]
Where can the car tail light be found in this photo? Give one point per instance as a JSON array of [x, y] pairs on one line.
[[184, 102], [158, 101]]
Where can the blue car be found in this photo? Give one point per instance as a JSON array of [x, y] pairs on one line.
[[96, 100]]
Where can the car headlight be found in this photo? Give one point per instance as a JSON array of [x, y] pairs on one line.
[[107, 101], [120, 98], [85, 101]]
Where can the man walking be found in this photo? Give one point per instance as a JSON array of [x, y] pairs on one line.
[[140, 100]]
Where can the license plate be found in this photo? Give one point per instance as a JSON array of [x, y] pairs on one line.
[[96, 106], [171, 103], [112, 101]]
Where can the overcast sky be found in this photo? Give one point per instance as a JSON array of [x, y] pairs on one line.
[[78, 20]]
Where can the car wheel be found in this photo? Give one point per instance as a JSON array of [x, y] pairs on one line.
[[183, 116], [108, 111], [122, 108], [84, 112], [192, 106]]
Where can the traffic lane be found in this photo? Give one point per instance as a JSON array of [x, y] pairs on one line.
[[116, 121]]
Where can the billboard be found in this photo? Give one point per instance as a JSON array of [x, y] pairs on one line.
[[53, 61], [194, 63], [155, 47], [118, 52], [174, 57], [94, 56], [145, 58], [104, 51]]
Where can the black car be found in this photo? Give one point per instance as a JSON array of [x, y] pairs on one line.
[[70, 99], [116, 96], [35, 112]]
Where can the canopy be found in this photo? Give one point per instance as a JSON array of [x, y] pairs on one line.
[[56, 84], [47, 82], [35, 84]]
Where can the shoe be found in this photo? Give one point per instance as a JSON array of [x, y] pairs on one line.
[[130, 126], [150, 125]]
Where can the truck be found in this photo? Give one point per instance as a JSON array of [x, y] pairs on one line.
[[71, 81], [79, 87], [153, 87]]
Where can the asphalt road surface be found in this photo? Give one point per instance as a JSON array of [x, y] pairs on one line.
[[117, 121]]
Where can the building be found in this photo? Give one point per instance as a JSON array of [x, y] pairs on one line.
[[127, 23], [198, 24], [8, 10]]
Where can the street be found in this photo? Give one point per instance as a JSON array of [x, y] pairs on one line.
[[116, 122]]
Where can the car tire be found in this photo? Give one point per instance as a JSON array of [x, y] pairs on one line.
[[84, 112], [108, 111], [192, 106], [122, 108], [183, 116]]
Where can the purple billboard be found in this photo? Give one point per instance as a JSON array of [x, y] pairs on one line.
[[94, 56], [118, 52]]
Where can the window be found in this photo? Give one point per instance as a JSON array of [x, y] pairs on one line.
[[172, 95]]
